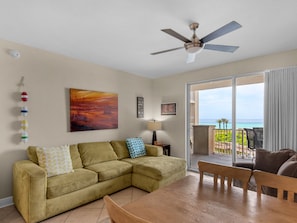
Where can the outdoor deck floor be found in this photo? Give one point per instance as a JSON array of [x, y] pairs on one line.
[[224, 159]]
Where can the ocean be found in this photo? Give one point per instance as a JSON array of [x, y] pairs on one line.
[[240, 124]]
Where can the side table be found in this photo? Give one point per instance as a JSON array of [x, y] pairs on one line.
[[166, 149]]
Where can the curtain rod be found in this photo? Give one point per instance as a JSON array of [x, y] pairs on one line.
[[280, 68]]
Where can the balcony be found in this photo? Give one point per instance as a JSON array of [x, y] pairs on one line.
[[215, 145]]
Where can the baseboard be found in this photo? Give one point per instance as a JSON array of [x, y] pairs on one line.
[[4, 202]]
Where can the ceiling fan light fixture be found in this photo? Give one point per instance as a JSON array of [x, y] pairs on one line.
[[193, 47]]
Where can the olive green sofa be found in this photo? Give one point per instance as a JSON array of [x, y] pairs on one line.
[[99, 168]]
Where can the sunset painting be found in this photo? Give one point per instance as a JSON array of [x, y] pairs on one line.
[[93, 110]]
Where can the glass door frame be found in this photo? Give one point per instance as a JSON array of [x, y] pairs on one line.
[[188, 112]]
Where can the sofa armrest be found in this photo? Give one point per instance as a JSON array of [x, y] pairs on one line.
[[29, 190], [152, 150], [249, 165]]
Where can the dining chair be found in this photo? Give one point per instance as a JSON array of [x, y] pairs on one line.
[[281, 183], [223, 172], [119, 215]]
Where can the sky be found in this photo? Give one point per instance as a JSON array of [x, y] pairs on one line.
[[217, 103]]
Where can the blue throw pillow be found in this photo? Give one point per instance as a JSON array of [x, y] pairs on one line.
[[136, 147]]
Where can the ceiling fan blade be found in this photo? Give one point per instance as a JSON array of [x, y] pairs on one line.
[[221, 31], [191, 57], [222, 48], [165, 51], [176, 35]]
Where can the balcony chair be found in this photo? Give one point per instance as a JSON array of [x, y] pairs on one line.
[[258, 137], [254, 139]]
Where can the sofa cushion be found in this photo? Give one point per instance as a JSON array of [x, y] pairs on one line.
[[120, 148], [157, 168], [152, 150], [67, 183], [271, 161], [56, 160], [136, 147], [289, 168], [111, 169], [96, 152], [75, 156], [31, 153]]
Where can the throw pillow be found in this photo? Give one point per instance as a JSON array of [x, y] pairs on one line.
[[136, 147], [56, 160], [289, 168], [271, 161]]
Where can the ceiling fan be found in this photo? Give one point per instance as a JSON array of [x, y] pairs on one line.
[[195, 45]]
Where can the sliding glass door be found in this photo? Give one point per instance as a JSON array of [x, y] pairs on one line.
[[249, 115], [213, 105]]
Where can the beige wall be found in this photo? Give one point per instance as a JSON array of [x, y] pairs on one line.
[[174, 89], [48, 77]]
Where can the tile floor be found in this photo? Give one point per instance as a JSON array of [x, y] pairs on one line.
[[94, 212]]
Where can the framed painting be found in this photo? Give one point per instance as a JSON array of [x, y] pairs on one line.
[[168, 109], [92, 110], [140, 107]]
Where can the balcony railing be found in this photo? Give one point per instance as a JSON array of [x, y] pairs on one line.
[[223, 143]]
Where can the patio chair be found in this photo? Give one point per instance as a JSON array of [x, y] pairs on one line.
[[229, 172], [281, 183], [258, 137], [254, 138], [250, 136], [118, 214]]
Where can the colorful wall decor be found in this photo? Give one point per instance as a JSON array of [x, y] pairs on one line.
[[24, 97], [24, 125], [92, 110], [24, 111], [24, 137]]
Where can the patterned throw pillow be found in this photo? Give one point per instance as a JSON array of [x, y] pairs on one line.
[[136, 147], [56, 160]]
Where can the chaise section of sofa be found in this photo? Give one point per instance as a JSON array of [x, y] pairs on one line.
[[154, 170], [151, 173], [99, 168]]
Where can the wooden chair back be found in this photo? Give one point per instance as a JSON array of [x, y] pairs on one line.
[[281, 183], [223, 172], [119, 215]]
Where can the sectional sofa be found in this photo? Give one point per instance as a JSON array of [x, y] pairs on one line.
[[282, 162], [99, 168]]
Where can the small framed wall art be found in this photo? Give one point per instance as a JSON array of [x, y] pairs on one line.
[[168, 109], [140, 107]]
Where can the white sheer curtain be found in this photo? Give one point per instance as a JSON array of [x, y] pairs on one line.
[[280, 109]]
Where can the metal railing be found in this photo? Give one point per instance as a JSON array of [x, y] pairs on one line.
[[223, 143]]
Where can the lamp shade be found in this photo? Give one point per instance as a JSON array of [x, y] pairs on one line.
[[154, 125]]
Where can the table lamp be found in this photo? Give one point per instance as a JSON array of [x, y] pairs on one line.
[[154, 126]]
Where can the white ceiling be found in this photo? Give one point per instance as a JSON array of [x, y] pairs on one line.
[[121, 34]]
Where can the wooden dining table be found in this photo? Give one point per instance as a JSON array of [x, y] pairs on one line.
[[188, 201]]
